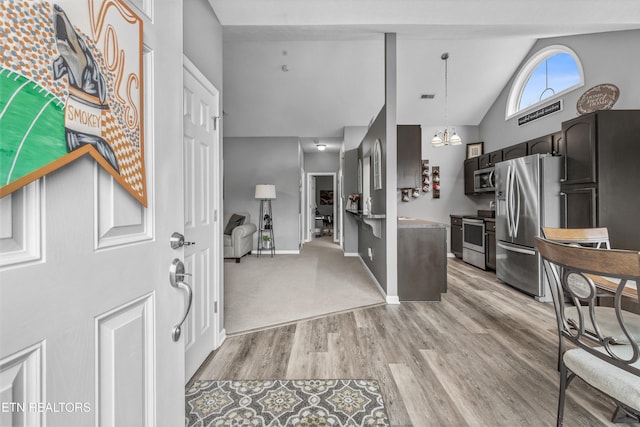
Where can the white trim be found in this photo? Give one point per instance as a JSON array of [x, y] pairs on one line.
[[222, 336], [351, 254], [522, 77], [308, 208], [450, 255], [389, 299], [283, 252]]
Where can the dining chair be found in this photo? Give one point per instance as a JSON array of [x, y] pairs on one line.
[[597, 358], [598, 238], [595, 237]]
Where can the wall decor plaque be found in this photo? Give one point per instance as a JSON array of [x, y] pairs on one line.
[[600, 97], [71, 84]]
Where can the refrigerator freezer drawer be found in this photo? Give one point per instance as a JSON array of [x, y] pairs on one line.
[[518, 266]]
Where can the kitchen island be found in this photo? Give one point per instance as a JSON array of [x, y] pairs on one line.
[[422, 259]]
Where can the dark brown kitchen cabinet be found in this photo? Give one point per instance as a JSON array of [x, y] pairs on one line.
[[490, 244], [557, 141], [542, 145], [601, 177], [579, 206], [578, 148], [470, 166], [456, 236], [490, 159], [409, 156], [514, 151]]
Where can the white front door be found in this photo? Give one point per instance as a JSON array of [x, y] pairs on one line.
[[86, 308], [201, 146]]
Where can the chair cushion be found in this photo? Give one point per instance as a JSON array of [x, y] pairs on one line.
[[227, 240], [234, 221], [608, 322], [611, 380]]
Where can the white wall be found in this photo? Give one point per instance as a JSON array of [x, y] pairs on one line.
[[606, 58]]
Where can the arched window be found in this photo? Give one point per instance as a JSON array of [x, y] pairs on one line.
[[549, 73]]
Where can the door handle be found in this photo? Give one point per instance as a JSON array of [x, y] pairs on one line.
[[176, 278], [177, 241]]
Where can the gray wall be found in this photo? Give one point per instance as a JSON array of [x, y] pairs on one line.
[[321, 162], [350, 226], [251, 161], [202, 42], [597, 52], [452, 198], [366, 239], [353, 136], [606, 58]]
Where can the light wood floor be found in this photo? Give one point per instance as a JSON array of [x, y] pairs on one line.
[[484, 356]]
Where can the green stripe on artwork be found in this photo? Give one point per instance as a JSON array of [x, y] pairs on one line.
[[30, 136]]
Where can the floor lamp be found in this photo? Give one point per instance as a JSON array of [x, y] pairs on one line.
[[265, 193]]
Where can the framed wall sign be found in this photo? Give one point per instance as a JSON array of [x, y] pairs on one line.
[[71, 84]]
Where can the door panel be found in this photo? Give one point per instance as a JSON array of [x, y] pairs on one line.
[[578, 147], [526, 183], [84, 273], [201, 195], [20, 226]]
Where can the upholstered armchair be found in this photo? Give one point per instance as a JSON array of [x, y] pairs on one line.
[[238, 237]]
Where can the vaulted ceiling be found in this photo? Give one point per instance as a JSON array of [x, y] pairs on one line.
[[308, 68]]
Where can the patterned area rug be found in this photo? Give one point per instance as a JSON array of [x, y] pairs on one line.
[[285, 403]]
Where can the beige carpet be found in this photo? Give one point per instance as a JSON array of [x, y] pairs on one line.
[[265, 291]]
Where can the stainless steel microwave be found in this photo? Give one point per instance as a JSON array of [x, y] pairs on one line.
[[484, 180]]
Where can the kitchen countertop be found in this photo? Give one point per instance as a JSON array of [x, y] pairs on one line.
[[404, 222], [363, 215]]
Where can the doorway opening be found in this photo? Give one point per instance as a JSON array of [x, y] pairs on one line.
[[322, 206]]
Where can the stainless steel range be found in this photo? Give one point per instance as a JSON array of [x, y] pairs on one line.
[[473, 242]]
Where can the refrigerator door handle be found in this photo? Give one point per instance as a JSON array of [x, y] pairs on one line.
[[563, 195], [507, 199], [516, 249], [516, 223]]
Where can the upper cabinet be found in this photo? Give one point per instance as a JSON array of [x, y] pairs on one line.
[[470, 166], [490, 159], [578, 147], [542, 145], [409, 156], [515, 151]]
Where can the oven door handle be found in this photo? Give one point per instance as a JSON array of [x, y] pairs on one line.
[[472, 221]]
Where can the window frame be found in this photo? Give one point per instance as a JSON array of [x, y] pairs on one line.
[[524, 74]]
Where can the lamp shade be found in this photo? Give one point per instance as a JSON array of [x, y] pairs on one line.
[[265, 191]]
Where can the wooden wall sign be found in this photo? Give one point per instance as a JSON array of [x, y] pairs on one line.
[[600, 97], [71, 85]]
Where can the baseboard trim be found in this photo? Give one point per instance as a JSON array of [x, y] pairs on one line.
[[387, 298], [287, 252], [221, 338], [450, 255], [393, 300], [352, 254]]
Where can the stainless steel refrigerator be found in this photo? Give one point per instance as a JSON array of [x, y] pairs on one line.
[[527, 198]]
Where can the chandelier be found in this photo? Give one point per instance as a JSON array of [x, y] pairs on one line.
[[442, 137]]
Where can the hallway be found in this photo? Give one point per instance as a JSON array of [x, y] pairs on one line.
[[263, 292]]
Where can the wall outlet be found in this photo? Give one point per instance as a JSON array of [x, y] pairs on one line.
[[370, 253]]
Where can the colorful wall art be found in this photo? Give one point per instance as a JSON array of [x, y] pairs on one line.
[[71, 84]]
